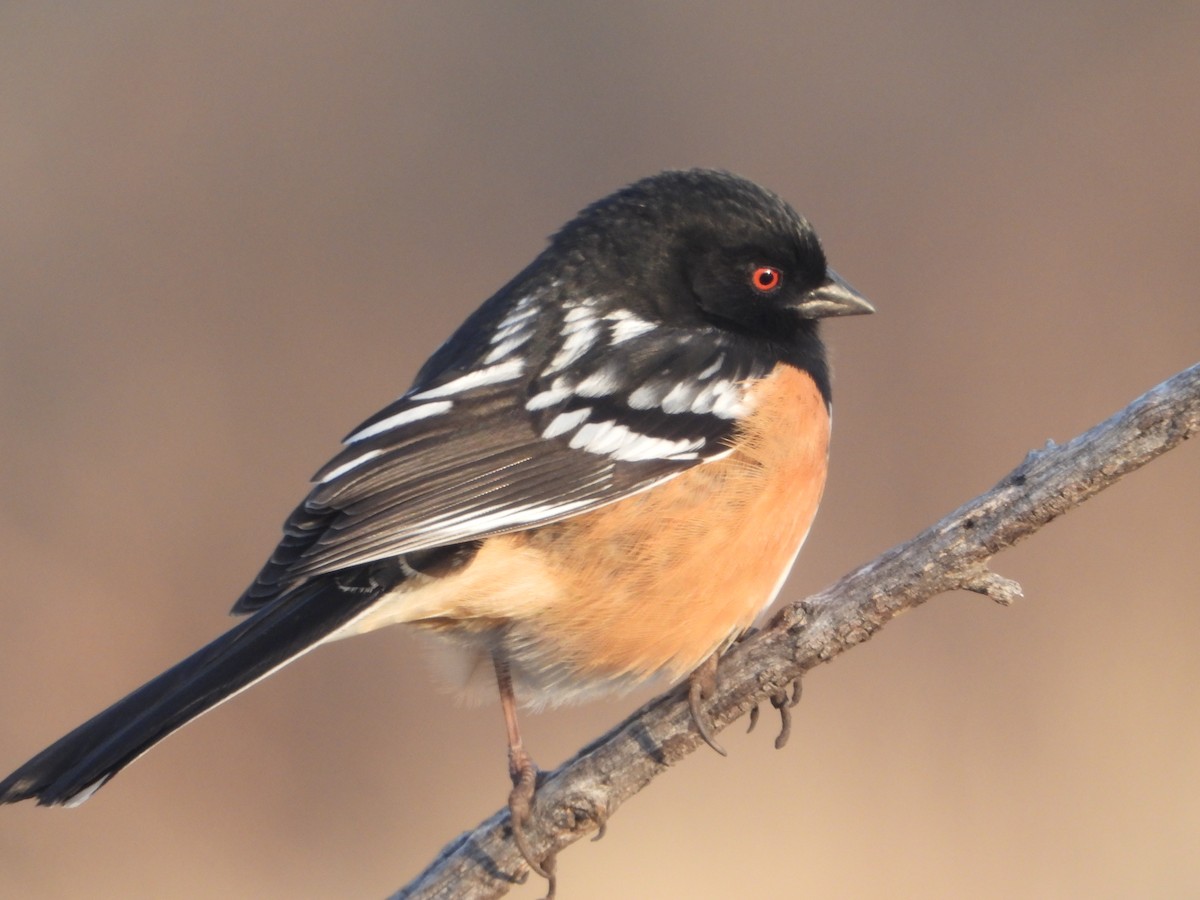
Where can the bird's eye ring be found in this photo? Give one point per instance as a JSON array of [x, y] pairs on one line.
[[766, 279]]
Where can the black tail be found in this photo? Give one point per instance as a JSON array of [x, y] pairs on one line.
[[70, 770]]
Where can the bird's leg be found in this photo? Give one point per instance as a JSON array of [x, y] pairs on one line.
[[523, 772], [702, 684]]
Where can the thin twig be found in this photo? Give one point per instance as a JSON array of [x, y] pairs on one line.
[[951, 555]]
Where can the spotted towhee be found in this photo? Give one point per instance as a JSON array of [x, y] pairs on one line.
[[604, 475]]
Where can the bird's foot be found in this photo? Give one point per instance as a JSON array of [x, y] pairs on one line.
[[520, 807], [783, 702]]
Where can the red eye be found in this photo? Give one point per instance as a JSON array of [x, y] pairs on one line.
[[765, 279]]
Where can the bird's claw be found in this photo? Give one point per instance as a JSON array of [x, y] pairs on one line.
[[702, 684], [783, 702]]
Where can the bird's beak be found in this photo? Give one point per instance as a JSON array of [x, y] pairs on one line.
[[833, 298]]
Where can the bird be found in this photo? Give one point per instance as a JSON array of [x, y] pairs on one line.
[[601, 478]]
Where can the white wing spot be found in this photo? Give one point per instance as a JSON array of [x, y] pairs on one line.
[[600, 437], [730, 400], [579, 313], [723, 397], [564, 422], [504, 348], [353, 464], [626, 325], [681, 396], [712, 369], [412, 414], [514, 330], [504, 519], [505, 371], [547, 398], [648, 396], [525, 308], [704, 401], [580, 331], [600, 383], [618, 442]]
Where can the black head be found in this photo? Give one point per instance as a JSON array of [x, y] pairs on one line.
[[687, 273], [707, 247]]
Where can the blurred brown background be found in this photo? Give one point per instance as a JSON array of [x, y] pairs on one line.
[[229, 234]]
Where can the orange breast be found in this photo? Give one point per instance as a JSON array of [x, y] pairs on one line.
[[651, 584], [673, 573]]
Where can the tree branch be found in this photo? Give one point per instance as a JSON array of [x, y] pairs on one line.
[[951, 555]]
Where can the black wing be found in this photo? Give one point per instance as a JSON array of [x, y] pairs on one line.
[[552, 416]]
